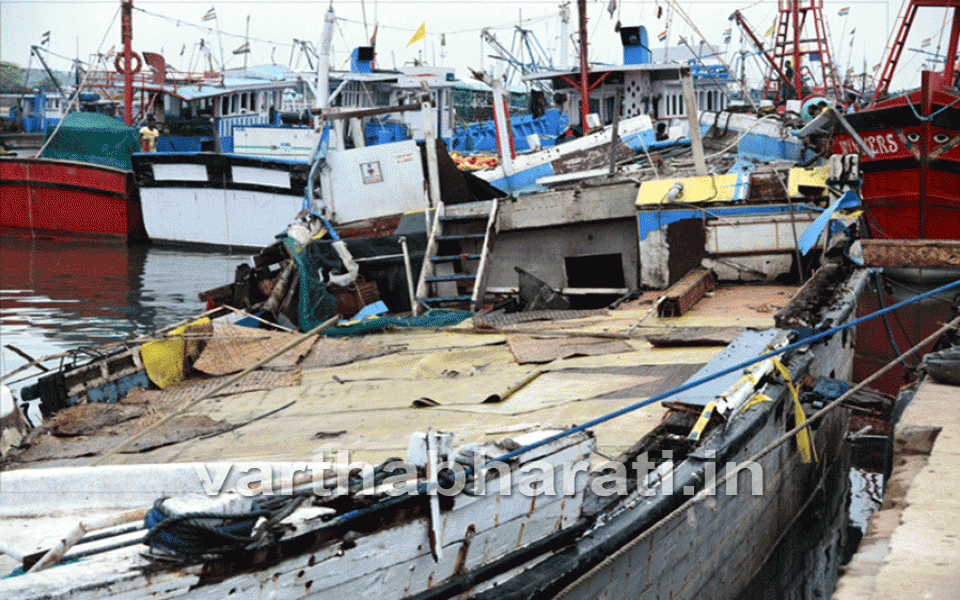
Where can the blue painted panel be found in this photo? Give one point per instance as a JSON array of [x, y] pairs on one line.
[[524, 181], [113, 391], [748, 344]]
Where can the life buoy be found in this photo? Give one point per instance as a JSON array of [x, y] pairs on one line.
[[134, 58]]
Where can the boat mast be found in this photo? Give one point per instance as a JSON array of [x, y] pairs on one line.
[[950, 62], [126, 36], [584, 68], [564, 35], [323, 61]]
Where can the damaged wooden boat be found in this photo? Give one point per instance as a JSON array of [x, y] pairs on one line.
[[642, 501]]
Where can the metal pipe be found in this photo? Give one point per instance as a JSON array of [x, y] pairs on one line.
[[323, 61], [409, 270], [126, 35], [584, 67]]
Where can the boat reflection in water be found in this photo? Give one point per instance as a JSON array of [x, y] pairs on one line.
[[57, 293]]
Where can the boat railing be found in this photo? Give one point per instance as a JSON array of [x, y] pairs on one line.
[[173, 79]]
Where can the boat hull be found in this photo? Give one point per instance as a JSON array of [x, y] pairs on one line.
[[911, 186], [218, 199], [69, 197]]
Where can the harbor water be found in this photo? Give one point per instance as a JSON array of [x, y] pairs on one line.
[[61, 294]]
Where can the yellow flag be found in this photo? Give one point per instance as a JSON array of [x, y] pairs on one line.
[[770, 31], [419, 35]]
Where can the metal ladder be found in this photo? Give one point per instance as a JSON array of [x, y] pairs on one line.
[[791, 26], [457, 257]]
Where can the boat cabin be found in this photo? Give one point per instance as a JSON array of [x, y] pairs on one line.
[[645, 87]]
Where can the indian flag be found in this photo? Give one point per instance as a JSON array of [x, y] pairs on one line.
[[243, 49], [844, 11], [925, 43], [663, 36], [211, 15]]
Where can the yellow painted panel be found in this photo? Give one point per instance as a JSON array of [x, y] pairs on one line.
[[710, 188], [814, 176]]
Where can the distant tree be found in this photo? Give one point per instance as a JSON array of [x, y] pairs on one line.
[[48, 84], [11, 76]]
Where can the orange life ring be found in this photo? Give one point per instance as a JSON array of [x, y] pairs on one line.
[[134, 57]]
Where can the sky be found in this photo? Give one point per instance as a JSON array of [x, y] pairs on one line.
[[175, 28]]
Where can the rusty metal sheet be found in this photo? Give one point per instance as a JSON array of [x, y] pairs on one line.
[[911, 253], [333, 353], [684, 294], [528, 349], [498, 319], [591, 158], [695, 336], [179, 429], [86, 419], [234, 348]]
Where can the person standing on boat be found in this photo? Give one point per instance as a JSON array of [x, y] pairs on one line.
[[148, 135], [789, 93]]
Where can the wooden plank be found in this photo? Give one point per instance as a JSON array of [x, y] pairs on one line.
[[685, 293]]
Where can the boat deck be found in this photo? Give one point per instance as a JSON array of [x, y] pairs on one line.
[[553, 374]]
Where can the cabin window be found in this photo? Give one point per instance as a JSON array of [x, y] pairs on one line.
[[234, 103], [224, 106], [710, 100], [244, 101]]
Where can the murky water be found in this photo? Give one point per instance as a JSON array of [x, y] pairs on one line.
[[59, 294]]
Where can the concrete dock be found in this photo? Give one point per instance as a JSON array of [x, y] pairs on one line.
[[912, 547]]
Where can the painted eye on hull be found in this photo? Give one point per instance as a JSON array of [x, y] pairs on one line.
[[913, 136], [940, 138]]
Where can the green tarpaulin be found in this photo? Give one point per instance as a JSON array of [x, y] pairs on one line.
[[93, 138]]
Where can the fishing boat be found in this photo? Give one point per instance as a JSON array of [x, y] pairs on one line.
[[80, 184], [535, 514], [910, 161]]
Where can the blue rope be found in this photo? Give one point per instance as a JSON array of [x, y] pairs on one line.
[[424, 487], [932, 115], [326, 223]]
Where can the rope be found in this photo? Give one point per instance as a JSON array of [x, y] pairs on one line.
[[710, 490], [423, 488], [195, 535], [933, 114]]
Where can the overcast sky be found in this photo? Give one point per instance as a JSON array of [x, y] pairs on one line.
[[175, 28]]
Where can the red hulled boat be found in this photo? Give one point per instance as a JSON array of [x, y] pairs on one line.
[[81, 182], [911, 185], [72, 197]]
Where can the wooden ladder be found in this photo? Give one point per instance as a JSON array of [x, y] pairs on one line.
[[457, 258]]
